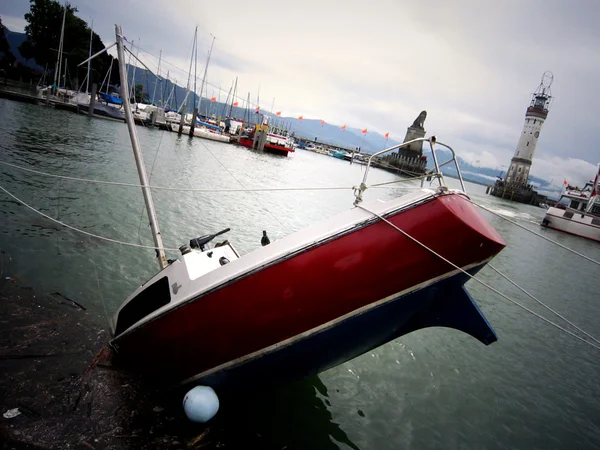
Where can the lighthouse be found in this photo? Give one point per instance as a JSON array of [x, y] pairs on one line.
[[515, 185], [535, 116]]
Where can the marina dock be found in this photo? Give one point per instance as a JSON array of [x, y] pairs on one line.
[[21, 92]]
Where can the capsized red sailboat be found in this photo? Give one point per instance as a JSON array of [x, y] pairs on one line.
[[312, 300]]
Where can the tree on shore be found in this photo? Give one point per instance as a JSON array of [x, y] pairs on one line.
[[26, 50], [139, 95], [7, 58], [43, 36]]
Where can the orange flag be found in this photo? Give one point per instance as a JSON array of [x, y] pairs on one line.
[[300, 118], [235, 103], [387, 135], [565, 182], [213, 99], [257, 108], [343, 127], [278, 113], [364, 131], [322, 122]]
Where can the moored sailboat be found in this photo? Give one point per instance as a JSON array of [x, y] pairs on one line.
[[311, 300], [577, 211]]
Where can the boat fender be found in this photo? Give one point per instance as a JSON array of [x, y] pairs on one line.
[[201, 404]]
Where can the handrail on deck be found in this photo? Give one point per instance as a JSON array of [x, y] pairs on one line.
[[436, 172]]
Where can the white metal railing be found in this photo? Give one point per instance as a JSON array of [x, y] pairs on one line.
[[434, 173]]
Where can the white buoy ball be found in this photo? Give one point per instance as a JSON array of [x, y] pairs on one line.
[[201, 404]]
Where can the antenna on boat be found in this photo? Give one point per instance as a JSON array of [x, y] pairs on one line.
[[139, 159]]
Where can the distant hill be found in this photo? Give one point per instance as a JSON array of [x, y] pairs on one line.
[[14, 41]]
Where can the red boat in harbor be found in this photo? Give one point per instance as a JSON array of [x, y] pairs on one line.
[[312, 300], [276, 141]]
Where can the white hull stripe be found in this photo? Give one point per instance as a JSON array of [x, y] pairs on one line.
[[574, 221]]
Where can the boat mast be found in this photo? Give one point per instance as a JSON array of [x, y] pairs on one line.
[[187, 89], [132, 94], [139, 159], [112, 60], [227, 100], [206, 67], [163, 88], [156, 78], [87, 83], [65, 75], [60, 47], [233, 98]]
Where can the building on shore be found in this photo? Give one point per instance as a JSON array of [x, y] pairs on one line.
[[515, 185], [408, 160]]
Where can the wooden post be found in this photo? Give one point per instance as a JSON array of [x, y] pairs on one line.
[[182, 120], [92, 100], [260, 137], [263, 137], [193, 124]]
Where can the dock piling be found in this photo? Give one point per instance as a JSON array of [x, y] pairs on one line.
[[92, 100], [193, 124]]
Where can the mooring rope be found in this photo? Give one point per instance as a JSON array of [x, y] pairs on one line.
[[181, 189], [537, 234], [402, 180], [321, 188], [207, 190], [100, 291], [240, 183], [87, 233], [130, 244], [480, 281], [557, 314], [149, 181]]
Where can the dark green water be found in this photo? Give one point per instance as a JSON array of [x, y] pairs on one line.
[[436, 388]]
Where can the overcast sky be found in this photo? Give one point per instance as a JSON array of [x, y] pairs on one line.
[[471, 64]]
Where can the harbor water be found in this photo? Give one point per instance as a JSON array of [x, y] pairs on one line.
[[536, 388]]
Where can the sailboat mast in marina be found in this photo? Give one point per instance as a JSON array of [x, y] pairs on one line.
[[58, 67], [139, 158]]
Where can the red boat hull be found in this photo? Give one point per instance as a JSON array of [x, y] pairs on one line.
[[346, 277], [269, 147]]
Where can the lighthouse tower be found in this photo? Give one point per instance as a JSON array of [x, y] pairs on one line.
[[518, 172]]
